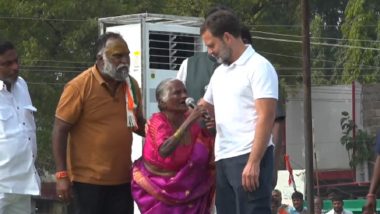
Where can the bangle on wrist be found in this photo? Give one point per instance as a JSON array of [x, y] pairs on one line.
[[177, 134], [371, 195], [61, 174]]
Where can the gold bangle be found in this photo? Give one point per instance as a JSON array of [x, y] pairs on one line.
[[177, 134]]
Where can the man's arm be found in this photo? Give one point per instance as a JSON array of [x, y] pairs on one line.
[[59, 144], [371, 196], [376, 177], [140, 119], [141, 124], [266, 108], [375, 181], [208, 106]]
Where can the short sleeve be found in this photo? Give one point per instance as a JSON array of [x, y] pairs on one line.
[[264, 81], [159, 130], [182, 72], [70, 105], [208, 96]]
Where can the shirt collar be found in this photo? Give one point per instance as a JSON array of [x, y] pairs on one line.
[[3, 86], [244, 57], [97, 75], [249, 51]]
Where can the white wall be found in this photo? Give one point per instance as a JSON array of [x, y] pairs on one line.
[[327, 104]]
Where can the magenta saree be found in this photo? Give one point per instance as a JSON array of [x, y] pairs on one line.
[[187, 191]]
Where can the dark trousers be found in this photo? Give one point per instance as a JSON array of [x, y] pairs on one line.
[[100, 199], [230, 195]]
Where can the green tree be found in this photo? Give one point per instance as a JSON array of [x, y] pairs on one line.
[[360, 147], [325, 29], [360, 31]]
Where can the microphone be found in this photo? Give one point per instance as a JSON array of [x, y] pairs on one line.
[[191, 103]]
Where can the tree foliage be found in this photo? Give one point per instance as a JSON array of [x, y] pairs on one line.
[[360, 28], [359, 148]]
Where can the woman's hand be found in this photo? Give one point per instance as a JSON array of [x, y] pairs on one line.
[[195, 113]]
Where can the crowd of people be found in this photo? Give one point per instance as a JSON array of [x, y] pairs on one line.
[[298, 204], [218, 153]]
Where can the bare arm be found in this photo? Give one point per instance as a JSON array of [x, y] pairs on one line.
[[371, 197], [168, 147], [266, 108], [376, 177], [209, 107], [141, 124], [60, 132], [172, 142]]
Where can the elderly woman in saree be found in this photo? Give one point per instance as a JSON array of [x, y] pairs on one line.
[[175, 174]]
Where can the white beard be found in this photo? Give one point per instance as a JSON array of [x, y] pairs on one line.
[[120, 73]]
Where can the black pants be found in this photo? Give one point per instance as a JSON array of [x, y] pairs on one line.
[[231, 198], [100, 199]]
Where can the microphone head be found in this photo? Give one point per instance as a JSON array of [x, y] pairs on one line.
[[190, 102]]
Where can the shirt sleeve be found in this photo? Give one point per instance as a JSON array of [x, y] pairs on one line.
[[158, 131], [70, 105], [264, 81], [182, 72], [208, 96]]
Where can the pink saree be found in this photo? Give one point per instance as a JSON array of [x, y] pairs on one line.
[[187, 191]]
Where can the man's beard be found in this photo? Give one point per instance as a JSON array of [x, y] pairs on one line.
[[119, 73], [224, 56]]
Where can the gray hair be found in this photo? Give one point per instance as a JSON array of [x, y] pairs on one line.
[[102, 40], [162, 92]]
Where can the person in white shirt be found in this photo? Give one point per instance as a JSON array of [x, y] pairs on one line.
[[18, 176], [243, 91], [338, 203]]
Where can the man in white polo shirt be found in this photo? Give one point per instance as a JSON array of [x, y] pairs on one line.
[[18, 176], [243, 91]]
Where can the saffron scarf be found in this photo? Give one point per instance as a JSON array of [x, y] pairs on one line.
[[130, 104]]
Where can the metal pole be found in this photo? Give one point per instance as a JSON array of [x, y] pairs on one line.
[[307, 106], [353, 92], [315, 162]]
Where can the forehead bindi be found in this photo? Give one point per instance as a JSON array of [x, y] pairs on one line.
[[116, 47]]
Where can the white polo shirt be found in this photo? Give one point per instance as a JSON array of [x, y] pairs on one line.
[[233, 90], [18, 147]]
